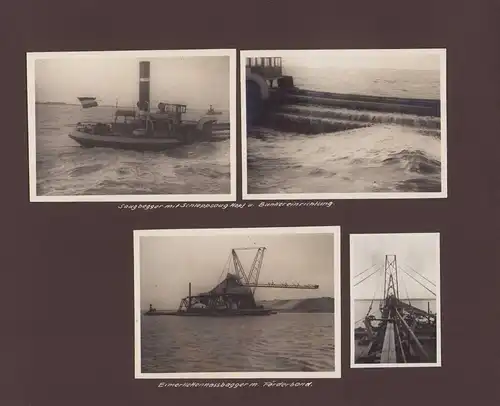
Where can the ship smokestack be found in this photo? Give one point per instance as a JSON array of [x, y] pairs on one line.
[[144, 85]]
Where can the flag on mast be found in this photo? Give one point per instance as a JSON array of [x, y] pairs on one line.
[[87, 102]]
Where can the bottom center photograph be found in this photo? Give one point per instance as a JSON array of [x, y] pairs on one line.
[[237, 303]]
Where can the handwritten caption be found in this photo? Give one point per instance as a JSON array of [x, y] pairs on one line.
[[221, 206], [235, 385]]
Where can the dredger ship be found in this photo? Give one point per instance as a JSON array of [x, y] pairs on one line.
[[145, 130], [234, 295]]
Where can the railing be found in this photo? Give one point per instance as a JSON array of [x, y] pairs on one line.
[[268, 67], [172, 108], [264, 62]]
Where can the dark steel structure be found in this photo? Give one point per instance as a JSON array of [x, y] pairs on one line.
[[402, 333], [235, 294]]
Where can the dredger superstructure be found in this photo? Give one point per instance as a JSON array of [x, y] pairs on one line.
[[234, 295], [142, 128]]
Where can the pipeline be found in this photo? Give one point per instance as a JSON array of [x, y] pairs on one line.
[[414, 338]]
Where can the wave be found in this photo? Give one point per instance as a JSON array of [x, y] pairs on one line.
[[376, 158], [414, 161], [372, 117]]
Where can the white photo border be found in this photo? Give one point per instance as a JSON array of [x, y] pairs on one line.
[[333, 230], [341, 196], [31, 57], [438, 308]]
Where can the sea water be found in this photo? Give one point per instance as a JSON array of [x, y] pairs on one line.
[[381, 158], [291, 342], [64, 168]]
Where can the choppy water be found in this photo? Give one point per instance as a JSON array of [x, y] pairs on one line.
[[64, 168], [384, 157], [282, 342], [381, 158]]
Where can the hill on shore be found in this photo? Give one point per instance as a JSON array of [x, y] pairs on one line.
[[312, 305]]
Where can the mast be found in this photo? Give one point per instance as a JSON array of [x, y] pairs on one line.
[[391, 283], [190, 295]]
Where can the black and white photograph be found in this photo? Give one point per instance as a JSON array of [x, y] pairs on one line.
[[237, 303], [395, 300], [344, 124], [132, 125]]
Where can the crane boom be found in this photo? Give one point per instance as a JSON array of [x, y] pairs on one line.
[[281, 285], [250, 278]]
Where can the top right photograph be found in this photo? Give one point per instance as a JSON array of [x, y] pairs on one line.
[[344, 124]]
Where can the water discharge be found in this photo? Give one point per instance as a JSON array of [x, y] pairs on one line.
[[310, 147]]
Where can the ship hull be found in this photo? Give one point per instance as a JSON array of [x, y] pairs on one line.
[[123, 142], [214, 313]]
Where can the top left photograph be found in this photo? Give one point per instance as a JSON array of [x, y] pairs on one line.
[[122, 126]]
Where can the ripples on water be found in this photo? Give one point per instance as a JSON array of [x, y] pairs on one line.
[[65, 168], [282, 342], [419, 84], [384, 157]]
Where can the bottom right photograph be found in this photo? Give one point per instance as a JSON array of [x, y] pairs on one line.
[[395, 300]]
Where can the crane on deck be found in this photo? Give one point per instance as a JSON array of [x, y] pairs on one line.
[[235, 293], [251, 280]]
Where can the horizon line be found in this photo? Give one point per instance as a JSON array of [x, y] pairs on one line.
[[108, 105], [411, 298]]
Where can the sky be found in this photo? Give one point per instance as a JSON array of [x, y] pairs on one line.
[[368, 59], [413, 251], [197, 81], [168, 264]]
